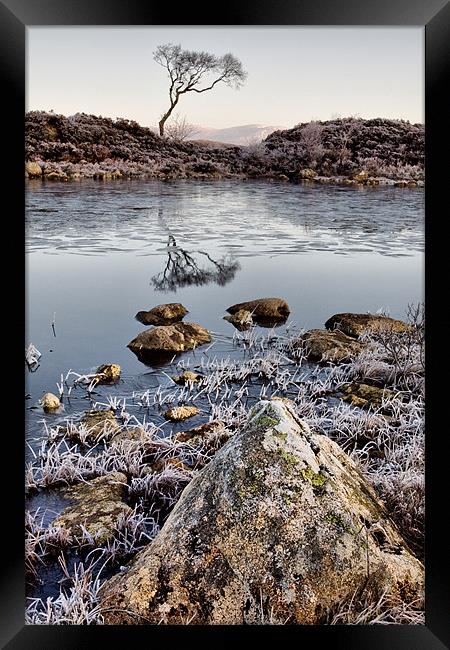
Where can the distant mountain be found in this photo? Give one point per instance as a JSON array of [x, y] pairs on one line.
[[240, 135]]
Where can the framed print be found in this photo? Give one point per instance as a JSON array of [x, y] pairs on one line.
[[230, 234]]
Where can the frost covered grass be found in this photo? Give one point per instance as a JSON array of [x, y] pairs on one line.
[[384, 611], [386, 440]]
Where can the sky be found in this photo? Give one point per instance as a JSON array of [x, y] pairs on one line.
[[295, 74]]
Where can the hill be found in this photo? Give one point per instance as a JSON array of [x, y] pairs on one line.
[[89, 146]]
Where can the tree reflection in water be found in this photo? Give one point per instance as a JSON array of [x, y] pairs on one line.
[[183, 269]]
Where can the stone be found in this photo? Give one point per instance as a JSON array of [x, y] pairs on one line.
[[50, 402], [108, 373], [98, 505], [180, 413], [188, 376], [241, 319], [170, 338], [131, 438], [365, 395], [307, 174], [279, 527], [357, 324], [265, 308], [99, 422], [329, 346], [163, 314], [33, 169], [201, 433], [55, 176], [361, 177]]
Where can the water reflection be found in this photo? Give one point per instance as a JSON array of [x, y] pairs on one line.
[[183, 269]]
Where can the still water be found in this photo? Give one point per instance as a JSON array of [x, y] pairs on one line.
[[96, 255]]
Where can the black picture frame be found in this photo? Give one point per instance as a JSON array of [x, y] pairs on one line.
[[434, 15]]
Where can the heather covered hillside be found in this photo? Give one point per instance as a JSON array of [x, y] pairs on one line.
[[348, 149]]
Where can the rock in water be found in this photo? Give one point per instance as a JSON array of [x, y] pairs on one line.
[[166, 314], [180, 413], [280, 526], [169, 338], [357, 324], [50, 402], [98, 506], [98, 422], [366, 396], [325, 346], [186, 377], [108, 373], [265, 308], [241, 319]]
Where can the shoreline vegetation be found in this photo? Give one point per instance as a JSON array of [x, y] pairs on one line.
[[311, 450], [346, 151]]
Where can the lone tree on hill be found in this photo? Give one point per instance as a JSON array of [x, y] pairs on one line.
[[189, 71]]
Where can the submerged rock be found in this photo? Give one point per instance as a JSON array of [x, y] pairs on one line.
[[263, 308], [280, 526], [166, 314], [99, 504], [169, 339], [107, 373], [50, 402], [180, 413], [186, 377], [241, 319], [357, 324], [365, 395], [329, 346], [100, 422]]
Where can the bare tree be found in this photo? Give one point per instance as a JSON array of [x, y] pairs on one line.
[[180, 129], [191, 71]]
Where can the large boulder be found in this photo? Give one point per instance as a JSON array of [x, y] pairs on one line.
[[279, 527], [98, 506], [169, 339], [163, 314], [357, 324], [329, 346], [263, 308]]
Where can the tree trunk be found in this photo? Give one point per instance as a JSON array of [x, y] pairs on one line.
[[165, 117]]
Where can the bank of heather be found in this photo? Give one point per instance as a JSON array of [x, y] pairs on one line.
[[345, 150]]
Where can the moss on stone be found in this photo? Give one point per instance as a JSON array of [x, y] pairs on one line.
[[291, 459], [316, 479]]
